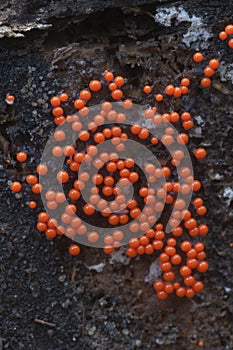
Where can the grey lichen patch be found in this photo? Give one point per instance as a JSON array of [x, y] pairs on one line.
[[226, 71], [165, 15], [228, 194], [197, 32]]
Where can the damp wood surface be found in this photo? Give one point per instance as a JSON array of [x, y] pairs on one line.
[[49, 300]]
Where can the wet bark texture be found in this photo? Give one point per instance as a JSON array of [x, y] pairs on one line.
[[47, 47]]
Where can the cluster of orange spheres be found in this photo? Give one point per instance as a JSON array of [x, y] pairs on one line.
[[113, 174], [209, 70], [181, 252], [170, 90], [226, 33]]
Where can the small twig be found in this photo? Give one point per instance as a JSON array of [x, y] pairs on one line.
[[45, 323], [221, 88], [73, 275], [83, 321]]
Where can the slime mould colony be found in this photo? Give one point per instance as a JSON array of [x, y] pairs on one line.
[[182, 258]]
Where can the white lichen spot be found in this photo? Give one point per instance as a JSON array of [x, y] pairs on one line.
[[199, 120], [227, 290], [154, 272], [226, 71], [97, 268], [228, 194], [197, 32], [218, 177], [119, 256]]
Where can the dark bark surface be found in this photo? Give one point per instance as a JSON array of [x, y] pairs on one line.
[[47, 47]]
